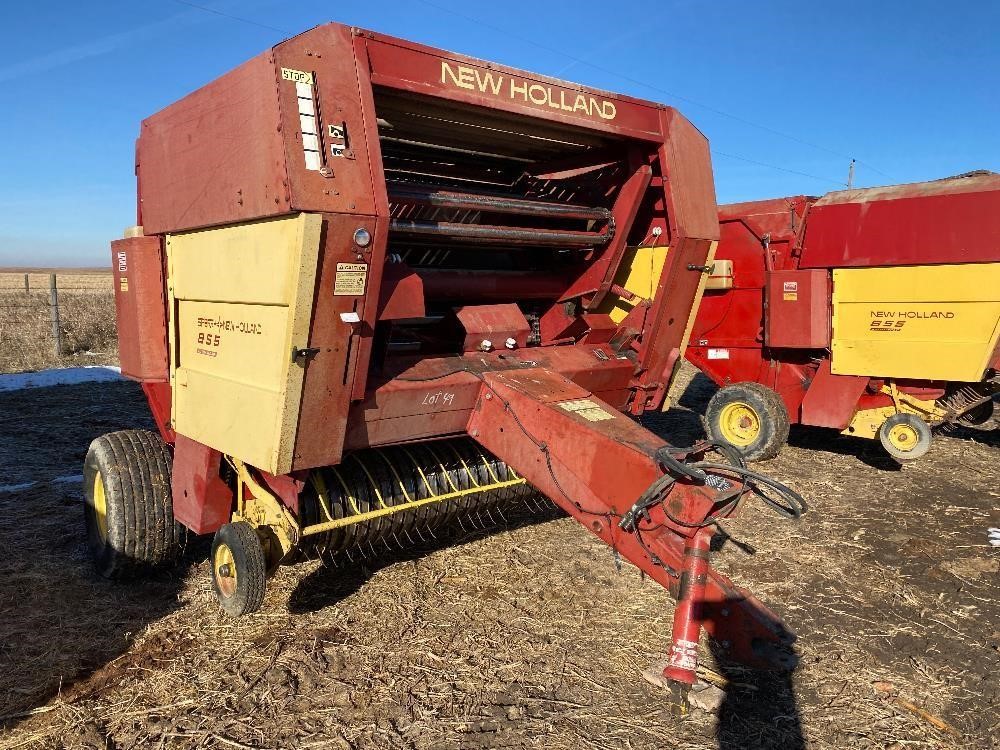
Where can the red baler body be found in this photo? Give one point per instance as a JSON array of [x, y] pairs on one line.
[[501, 207], [773, 326]]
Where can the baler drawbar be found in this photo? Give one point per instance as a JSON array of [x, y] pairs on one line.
[[377, 288]]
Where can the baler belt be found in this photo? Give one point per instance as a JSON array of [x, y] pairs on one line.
[[430, 196]]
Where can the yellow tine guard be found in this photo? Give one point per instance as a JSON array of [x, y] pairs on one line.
[[371, 479], [395, 473], [417, 467], [465, 466], [444, 471], [347, 492], [337, 523]]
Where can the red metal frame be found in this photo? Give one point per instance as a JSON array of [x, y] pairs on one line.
[[518, 417]]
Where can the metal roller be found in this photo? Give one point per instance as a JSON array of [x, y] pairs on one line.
[[401, 495], [430, 196], [503, 235]]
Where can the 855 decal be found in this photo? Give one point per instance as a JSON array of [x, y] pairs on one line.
[[887, 325], [212, 340]]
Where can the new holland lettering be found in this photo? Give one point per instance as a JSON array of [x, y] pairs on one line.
[[914, 314], [926, 314], [517, 89]]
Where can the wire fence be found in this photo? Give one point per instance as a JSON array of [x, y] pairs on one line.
[[46, 319]]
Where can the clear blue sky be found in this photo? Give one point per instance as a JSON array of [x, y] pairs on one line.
[[909, 88]]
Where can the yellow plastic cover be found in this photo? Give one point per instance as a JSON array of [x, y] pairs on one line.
[[920, 322], [241, 300]]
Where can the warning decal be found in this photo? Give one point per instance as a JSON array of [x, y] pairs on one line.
[[586, 409], [298, 76], [350, 281]]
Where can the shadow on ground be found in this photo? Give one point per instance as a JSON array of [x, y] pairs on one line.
[[759, 709]]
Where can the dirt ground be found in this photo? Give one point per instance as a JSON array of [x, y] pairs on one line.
[[522, 635]]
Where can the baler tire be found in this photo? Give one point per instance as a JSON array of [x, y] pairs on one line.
[[128, 508], [768, 409], [913, 426], [241, 591]]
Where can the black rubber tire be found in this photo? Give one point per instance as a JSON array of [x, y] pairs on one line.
[[142, 534], [771, 414], [250, 563], [920, 447]]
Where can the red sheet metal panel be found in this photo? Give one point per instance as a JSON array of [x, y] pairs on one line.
[[424, 70], [798, 309], [216, 156], [435, 397], [202, 500], [330, 370], [945, 221], [235, 149], [494, 323], [140, 307], [344, 183], [691, 206], [831, 400]]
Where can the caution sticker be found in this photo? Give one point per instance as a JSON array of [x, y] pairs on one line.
[[350, 281], [587, 409]]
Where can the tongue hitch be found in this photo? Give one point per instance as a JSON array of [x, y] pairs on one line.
[[652, 503]]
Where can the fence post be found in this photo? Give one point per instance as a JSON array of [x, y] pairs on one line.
[[54, 314], [27, 284]]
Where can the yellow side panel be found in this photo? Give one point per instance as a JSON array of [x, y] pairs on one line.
[[640, 274], [241, 300], [921, 322]]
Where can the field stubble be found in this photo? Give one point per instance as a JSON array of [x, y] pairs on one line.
[[86, 313], [524, 635]]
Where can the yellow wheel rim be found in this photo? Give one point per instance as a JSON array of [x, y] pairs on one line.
[[225, 570], [903, 437], [739, 424], [100, 504]]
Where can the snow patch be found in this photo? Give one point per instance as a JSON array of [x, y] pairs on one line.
[[59, 376], [68, 479], [17, 487]]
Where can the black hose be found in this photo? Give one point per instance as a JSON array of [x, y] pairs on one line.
[[793, 505]]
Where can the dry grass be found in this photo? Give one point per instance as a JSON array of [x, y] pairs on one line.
[[527, 637], [87, 321]]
